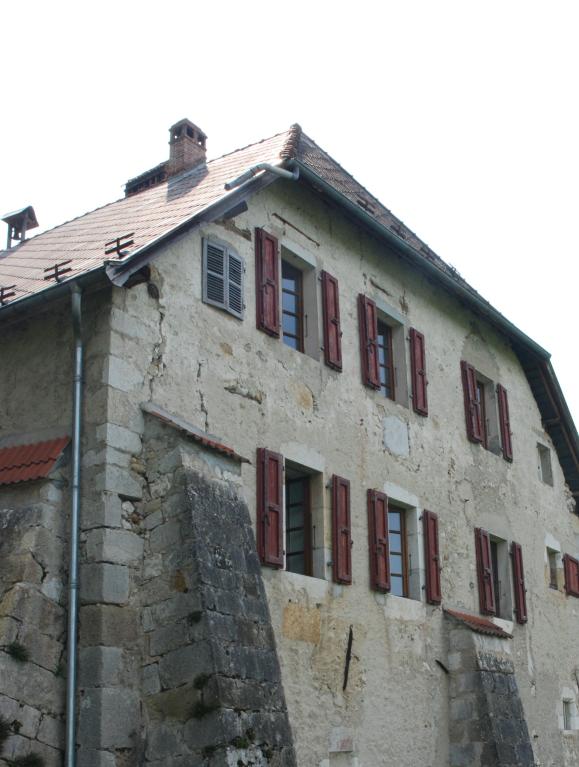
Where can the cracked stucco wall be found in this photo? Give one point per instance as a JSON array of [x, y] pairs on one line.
[[162, 344]]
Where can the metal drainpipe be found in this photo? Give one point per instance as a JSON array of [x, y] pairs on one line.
[[292, 175], [70, 760]]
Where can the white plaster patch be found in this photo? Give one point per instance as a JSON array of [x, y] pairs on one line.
[[396, 438], [340, 740], [504, 624], [405, 609], [305, 456]]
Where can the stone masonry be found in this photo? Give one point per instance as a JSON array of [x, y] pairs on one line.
[[32, 621], [487, 721]]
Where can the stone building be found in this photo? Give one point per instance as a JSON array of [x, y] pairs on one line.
[[324, 490]]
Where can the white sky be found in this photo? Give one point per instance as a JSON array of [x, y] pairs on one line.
[[461, 117]]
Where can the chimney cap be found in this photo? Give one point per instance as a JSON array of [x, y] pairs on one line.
[[25, 216], [184, 128]]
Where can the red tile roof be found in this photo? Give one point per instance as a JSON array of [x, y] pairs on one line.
[[26, 462], [149, 214], [479, 624]]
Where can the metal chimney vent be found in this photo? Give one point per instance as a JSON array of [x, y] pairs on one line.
[[19, 222]]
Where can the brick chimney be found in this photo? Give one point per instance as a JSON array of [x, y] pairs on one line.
[[187, 147]]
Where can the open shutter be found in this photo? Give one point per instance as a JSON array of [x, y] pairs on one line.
[[571, 569], [270, 507], [505, 423], [332, 331], [519, 583], [378, 540], [267, 282], [341, 530], [484, 566], [418, 369], [368, 322], [471, 403], [214, 269], [432, 557]]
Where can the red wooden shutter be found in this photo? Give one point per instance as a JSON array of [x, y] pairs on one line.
[[519, 583], [368, 322], [267, 282], [378, 540], [341, 530], [505, 423], [332, 331], [432, 558], [571, 568], [418, 369], [270, 507], [471, 404], [484, 566]]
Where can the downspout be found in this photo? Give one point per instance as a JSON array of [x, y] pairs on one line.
[[70, 758]]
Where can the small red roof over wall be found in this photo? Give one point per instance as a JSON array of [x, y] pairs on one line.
[[26, 462], [479, 625]]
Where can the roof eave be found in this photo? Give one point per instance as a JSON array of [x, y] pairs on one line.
[[404, 247]]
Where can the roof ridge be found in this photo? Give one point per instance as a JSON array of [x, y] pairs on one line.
[[290, 148]]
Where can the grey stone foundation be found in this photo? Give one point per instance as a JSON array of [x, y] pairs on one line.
[[487, 721]]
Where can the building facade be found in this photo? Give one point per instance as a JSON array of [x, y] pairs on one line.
[[327, 510]]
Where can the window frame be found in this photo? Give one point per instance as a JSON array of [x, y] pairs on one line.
[[394, 508], [387, 348], [299, 296], [307, 526]]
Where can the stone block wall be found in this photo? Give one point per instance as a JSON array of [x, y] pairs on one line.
[[33, 522], [487, 721], [211, 679]]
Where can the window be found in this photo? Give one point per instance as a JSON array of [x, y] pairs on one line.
[[298, 524], [544, 466], [552, 565], [495, 595], [292, 306], [222, 277], [486, 410], [383, 354], [480, 398], [287, 305], [385, 360], [290, 514], [567, 714], [398, 540]]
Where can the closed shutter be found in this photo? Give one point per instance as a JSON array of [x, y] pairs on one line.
[[432, 558], [484, 566], [418, 370], [378, 540], [341, 530], [505, 423], [368, 323], [519, 583], [267, 282], [571, 569], [332, 331], [214, 268], [270, 507], [222, 277], [471, 403], [235, 284]]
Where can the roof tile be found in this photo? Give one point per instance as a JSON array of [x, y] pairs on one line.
[[25, 462], [479, 625]]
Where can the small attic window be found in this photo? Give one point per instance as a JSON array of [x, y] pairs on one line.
[[190, 132], [223, 271]]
